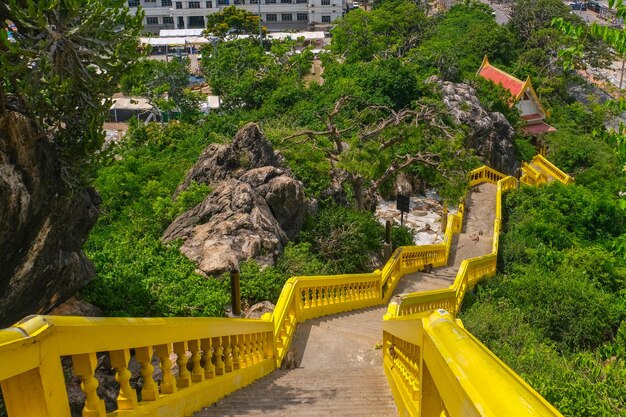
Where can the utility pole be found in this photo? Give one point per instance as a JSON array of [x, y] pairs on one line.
[[260, 27]]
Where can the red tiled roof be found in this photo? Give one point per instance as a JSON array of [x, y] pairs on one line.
[[538, 128], [500, 77], [532, 116]]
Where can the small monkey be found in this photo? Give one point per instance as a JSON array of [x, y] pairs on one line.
[[290, 361]]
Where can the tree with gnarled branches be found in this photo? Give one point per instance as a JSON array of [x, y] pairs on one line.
[[368, 146]]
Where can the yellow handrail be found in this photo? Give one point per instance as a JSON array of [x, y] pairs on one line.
[[432, 362], [552, 170], [227, 354]]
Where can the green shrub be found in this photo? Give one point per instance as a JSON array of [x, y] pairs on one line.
[[266, 283], [346, 239]]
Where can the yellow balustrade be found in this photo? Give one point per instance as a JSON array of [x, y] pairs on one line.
[[437, 368], [33, 383], [484, 174], [216, 356], [552, 170], [471, 270]]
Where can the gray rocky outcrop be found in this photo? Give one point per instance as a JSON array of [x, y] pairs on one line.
[[488, 132], [42, 224], [255, 208]]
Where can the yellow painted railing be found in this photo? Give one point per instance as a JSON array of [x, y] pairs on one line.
[[437, 368], [552, 170], [304, 298], [223, 355], [471, 270]]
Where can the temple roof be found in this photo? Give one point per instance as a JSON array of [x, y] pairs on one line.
[[538, 128], [497, 76]]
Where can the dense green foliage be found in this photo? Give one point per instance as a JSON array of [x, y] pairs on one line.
[[64, 68], [556, 312], [165, 85]]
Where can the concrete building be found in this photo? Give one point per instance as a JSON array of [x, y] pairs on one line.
[[277, 15]]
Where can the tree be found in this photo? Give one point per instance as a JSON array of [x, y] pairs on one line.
[[55, 87], [164, 84], [388, 31], [367, 146], [244, 75], [528, 16], [457, 44], [232, 22], [64, 68]]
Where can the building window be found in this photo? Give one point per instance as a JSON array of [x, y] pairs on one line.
[[168, 20], [149, 1], [302, 1], [152, 20], [194, 4], [222, 2], [271, 17], [325, 19], [166, 3], [181, 22], [240, 1], [254, 1], [270, 1], [133, 3], [209, 4], [179, 4], [302, 17], [325, 2], [286, 17], [285, 1]]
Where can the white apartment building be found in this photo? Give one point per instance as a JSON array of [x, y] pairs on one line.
[[276, 15]]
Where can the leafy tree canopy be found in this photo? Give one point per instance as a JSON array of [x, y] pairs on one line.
[[244, 74], [388, 31], [64, 67], [164, 84], [232, 22]]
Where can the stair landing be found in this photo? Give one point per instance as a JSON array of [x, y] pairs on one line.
[[340, 373]]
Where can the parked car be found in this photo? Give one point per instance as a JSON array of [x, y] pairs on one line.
[[578, 6], [594, 6]]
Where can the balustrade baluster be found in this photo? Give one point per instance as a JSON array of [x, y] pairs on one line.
[[258, 346], [218, 354], [244, 353], [197, 373], [127, 398], [309, 298], [150, 390], [184, 377], [168, 383], [207, 357], [234, 343], [85, 367], [228, 350]]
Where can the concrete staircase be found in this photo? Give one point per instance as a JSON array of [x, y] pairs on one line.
[[339, 373], [340, 370], [479, 217]]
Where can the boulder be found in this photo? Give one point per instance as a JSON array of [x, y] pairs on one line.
[[43, 224], [255, 207], [259, 309], [488, 132]]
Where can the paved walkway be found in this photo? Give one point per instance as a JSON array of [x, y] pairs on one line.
[[480, 215], [340, 373], [340, 370]]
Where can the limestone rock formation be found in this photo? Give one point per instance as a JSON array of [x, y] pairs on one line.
[[42, 225], [489, 132], [255, 207]]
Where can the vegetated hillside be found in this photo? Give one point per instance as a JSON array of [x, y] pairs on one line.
[[556, 310], [554, 313]]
